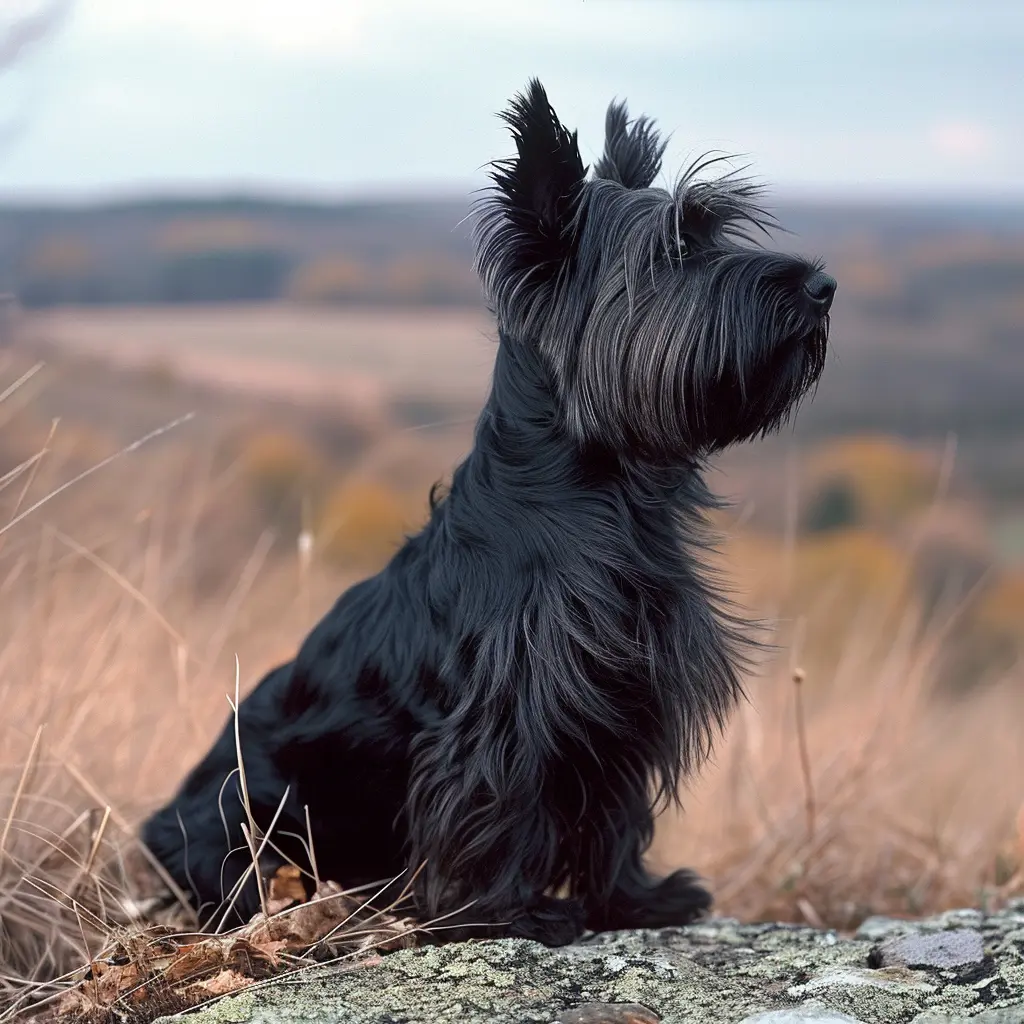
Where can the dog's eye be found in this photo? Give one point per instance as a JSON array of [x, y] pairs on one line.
[[679, 250]]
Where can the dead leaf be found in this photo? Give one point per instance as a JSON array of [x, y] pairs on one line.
[[285, 889], [224, 983], [147, 965]]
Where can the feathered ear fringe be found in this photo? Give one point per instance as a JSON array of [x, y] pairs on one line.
[[632, 151], [530, 217]]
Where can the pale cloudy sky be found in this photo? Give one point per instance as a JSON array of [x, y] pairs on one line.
[[351, 97]]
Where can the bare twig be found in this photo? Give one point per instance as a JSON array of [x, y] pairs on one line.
[[805, 757]]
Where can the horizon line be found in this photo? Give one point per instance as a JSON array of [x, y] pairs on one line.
[[269, 192]]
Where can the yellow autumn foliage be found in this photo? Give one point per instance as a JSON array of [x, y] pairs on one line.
[[856, 562], [205, 233], [362, 523], [330, 279], [988, 641], [284, 473], [888, 480], [62, 256], [1001, 608], [862, 564], [834, 584]]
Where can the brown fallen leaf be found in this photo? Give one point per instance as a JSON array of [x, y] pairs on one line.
[[159, 969], [224, 983], [334, 917], [285, 888]]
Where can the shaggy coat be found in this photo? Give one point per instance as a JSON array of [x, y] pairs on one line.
[[506, 704]]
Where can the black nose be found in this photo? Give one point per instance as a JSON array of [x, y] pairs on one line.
[[820, 289]]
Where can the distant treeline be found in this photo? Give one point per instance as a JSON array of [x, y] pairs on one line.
[[237, 251], [388, 253]]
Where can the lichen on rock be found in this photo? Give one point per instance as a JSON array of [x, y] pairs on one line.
[[957, 967]]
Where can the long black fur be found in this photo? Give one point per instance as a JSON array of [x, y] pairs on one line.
[[507, 703]]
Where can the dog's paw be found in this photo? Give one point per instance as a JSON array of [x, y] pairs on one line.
[[550, 921], [676, 900], [679, 899]]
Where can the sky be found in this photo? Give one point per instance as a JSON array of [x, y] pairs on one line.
[[351, 98]]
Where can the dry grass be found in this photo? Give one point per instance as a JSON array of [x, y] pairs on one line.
[[103, 691], [876, 797], [903, 804], [862, 788]]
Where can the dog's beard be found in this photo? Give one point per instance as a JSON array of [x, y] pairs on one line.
[[760, 399], [664, 379]]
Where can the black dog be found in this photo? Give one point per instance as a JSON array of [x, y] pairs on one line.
[[509, 701]]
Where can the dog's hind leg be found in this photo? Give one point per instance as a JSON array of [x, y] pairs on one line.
[[500, 892], [198, 835]]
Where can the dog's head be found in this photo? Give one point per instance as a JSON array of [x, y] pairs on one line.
[[667, 329]]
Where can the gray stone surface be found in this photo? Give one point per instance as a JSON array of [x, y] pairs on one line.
[[801, 1015], [956, 948], [718, 972]]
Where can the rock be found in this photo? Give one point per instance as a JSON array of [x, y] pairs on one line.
[[955, 948], [1007, 1015], [716, 972], [800, 1015], [608, 1013]]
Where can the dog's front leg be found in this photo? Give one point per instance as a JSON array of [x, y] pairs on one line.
[[489, 852], [483, 910]]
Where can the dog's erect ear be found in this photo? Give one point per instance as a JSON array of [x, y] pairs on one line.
[[632, 151], [538, 190]]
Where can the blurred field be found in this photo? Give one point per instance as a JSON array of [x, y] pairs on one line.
[[128, 596], [297, 352]]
